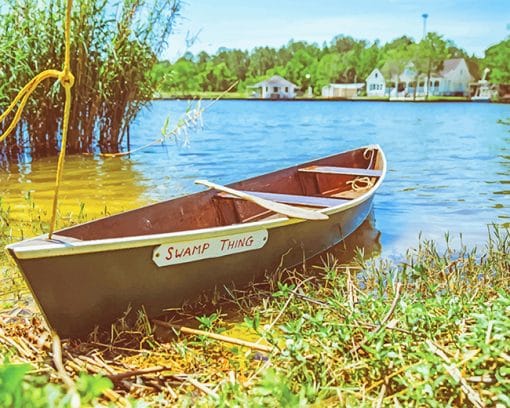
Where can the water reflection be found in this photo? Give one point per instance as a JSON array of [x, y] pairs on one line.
[[503, 186], [99, 184], [366, 239]]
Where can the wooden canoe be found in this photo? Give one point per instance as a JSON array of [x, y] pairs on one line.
[[165, 254]]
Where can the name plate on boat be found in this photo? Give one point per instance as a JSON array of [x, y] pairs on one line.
[[190, 251]]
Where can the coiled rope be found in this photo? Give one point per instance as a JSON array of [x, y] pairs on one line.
[[364, 183], [361, 183], [66, 79]]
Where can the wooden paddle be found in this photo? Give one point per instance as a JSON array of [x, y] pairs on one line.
[[288, 210]]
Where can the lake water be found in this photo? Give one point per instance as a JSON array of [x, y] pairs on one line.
[[449, 163]]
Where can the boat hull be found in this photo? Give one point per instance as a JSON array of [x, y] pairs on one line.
[[77, 292]]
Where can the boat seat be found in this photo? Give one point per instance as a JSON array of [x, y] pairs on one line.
[[349, 171], [310, 201]]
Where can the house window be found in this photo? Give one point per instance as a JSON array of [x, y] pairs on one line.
[[431, 84], [267, 89], [275, 89], [376, 75], [436, 84], [287, 89]]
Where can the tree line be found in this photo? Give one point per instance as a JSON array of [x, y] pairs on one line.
[[343, 60]]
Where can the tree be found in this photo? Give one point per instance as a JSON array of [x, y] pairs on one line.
[[398, 43], [302, 63], [217, 76], [261, 59], [368, 59], [330, 69], [497, 59], [395, 62], [428, 56], [236, 61], [342, 44]]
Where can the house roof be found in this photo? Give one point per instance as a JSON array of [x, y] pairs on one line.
[[275, 80], [376, 73], [452, 63], [474, 69]]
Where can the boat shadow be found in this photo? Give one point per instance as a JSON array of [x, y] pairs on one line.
[[364, 241]]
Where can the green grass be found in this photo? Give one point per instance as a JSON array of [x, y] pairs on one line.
[[433, 98], [430, 330]]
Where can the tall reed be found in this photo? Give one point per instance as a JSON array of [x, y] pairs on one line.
[[114, 46]]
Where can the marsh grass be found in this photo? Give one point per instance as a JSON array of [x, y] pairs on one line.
[[430, 330], [114, 46]]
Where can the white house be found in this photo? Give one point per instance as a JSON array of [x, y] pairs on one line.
[[453, 80], [276, 87], [455, 77], [376, 84], [342, 90]]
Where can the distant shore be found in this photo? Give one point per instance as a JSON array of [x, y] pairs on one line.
[[237, 96]]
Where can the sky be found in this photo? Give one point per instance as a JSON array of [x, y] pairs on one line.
[[473, 25]]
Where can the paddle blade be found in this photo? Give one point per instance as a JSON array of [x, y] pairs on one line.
[[280, 208]]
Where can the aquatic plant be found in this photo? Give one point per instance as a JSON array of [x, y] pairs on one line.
[[114, 46]]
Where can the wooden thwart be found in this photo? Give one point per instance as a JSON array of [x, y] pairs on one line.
[[348, 171], [279, 208], [311, 201]]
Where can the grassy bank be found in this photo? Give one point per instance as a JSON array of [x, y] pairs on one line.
[[433, 329]]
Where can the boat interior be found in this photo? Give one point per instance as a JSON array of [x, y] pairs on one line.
[[323, 183]]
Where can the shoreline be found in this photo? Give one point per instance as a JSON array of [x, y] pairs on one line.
[[319, 99]]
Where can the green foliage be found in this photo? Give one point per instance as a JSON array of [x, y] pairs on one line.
[[334, 348], [114, 47], [396, 61], [207, 322], [18, 388], [92, 387], [497, 58], [11, 377], [428, 56], [343, 60]]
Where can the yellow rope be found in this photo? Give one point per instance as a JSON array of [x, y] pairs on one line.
[[361, 183], [369, 151], [364, 183], [66, 78]]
